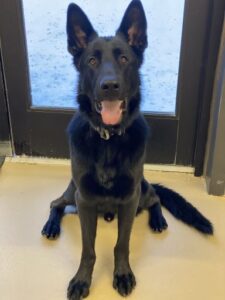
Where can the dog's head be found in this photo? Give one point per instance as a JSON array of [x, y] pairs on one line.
[[108, 89]]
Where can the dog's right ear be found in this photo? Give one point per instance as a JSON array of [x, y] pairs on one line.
[[79, 30]]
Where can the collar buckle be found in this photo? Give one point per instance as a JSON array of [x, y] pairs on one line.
[[106, 134]]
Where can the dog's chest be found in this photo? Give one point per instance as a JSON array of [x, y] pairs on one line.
[[108, 164], [105, 176]]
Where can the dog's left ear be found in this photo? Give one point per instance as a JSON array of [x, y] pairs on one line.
[[134, 26]]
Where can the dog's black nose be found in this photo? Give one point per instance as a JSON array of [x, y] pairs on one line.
[[110, 85]]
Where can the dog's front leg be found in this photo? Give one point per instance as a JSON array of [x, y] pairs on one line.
[[124, 279], [80, 283]]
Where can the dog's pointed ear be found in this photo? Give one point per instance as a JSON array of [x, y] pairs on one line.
[[134, 26], [79, 29]]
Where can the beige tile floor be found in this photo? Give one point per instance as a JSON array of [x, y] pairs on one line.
[[179, 264]]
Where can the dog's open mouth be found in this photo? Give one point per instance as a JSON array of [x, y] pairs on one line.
[[111, 111]]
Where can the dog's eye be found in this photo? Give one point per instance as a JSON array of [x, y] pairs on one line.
[[92, 61], [123, 59]]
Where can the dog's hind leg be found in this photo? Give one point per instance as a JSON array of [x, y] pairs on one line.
[[51, 229], [150, 201]]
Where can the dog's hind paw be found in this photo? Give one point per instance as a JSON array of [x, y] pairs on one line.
[[124, 283], [51, 230], [157, 222], [77, 290]]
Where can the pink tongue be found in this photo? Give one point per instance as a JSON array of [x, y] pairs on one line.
[[111, 112]]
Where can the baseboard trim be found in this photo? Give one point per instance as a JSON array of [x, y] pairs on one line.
[[66, 162], [38, 160], [169, 168], [5, 148]]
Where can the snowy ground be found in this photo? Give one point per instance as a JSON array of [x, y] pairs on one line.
[[53, 78]]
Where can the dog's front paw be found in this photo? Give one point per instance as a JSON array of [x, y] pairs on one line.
[[124, 283], [51, 230], [77, 289]]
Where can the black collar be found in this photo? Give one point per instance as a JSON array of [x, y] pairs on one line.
[[107, 133]]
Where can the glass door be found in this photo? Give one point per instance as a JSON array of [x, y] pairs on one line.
[[41, 79], [52, 75]]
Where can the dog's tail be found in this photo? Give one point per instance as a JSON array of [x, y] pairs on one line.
[[183, 210]]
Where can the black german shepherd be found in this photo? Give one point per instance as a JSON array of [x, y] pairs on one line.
[[107, 144]]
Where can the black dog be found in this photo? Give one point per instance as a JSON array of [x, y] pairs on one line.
[[107, 143]]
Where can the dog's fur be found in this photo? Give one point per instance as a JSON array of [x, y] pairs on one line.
[[107, 151]]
